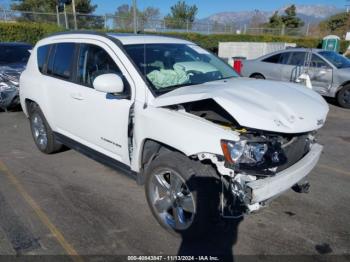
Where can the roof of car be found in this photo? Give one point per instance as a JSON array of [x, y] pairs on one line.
[[129, 39], [303, 49]]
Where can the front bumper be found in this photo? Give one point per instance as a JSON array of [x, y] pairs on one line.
[[263, 189]]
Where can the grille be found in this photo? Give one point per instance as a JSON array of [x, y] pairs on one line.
[[295, 151]]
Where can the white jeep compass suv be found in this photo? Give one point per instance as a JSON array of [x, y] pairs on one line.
[[205, 142]]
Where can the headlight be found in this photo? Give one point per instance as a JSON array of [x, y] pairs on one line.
[[243, 151]]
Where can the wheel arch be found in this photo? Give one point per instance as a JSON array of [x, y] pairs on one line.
[[257, 73], [149, 150]]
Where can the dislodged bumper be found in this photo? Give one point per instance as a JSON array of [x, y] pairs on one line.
[[264, 189]]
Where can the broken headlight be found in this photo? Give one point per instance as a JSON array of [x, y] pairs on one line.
[[253, 154]]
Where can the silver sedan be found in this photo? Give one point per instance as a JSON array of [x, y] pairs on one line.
[[329, 72]]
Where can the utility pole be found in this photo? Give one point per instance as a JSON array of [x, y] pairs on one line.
[[58, 15], [307, 29], [134, 16], [65, 16], [74, 15]]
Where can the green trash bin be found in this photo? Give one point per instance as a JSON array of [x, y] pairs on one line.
[[331, 43]]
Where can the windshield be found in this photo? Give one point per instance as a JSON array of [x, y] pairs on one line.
[[337, 60], [170, 66], [14, 54]]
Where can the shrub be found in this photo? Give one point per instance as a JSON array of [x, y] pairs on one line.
[[26, 32]]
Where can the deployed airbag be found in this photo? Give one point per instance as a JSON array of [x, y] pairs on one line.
[[164, 77]]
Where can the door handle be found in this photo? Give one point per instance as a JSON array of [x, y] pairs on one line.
[[77, 96]]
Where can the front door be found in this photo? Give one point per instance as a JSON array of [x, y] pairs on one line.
[[100, 120], [321, 74]]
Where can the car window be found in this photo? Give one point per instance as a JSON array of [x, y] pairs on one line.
[[318, 62], [281, 58], [170, 66], [297, 59], [275, 59], [336, 59], [42, 55], [11, 54], [60, 61], [92, 62]]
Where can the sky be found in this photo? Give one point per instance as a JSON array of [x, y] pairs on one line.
[[208, 7]]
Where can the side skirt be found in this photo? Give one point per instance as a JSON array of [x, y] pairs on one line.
[[95, 155]]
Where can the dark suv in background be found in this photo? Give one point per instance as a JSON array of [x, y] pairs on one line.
[[13, 60]]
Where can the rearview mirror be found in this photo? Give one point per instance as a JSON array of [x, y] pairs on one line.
[[109, 83]]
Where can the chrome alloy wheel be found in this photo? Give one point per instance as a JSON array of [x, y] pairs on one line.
[[173, 202], [39, 131]]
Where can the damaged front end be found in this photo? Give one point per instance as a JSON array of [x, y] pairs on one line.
[[9, 89], [259, 166]]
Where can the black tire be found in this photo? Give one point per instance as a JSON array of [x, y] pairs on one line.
[[51, 145], [343, 97], [257, 76], [203, 184]]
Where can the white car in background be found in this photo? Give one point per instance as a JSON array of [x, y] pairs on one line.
[[204, 141]]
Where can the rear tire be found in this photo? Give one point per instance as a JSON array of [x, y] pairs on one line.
[[42, 133], [183, 194], [343, 97], [257, 76]]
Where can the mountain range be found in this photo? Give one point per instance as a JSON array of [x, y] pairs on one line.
[[308, 13]]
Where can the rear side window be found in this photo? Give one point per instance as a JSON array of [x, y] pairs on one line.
[[297, 59], [281, 58], [42, 55], [61, 59], [275, 59]]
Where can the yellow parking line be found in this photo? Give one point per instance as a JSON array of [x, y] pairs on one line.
[[40, 213], [337, 170]]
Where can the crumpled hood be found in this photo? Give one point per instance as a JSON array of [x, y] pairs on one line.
[[259, 104]]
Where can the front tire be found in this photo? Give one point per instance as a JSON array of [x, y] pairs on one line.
[[183, 194], [42, 133], [343, 97]]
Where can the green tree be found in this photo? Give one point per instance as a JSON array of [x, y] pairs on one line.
[[49, 6], [181, 15], [290, 19], [337, 24], [275, 21], [82, 6], [124, 17]]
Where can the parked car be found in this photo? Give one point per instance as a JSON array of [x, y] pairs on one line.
[[204, 141], [13, 59], [329, 71]]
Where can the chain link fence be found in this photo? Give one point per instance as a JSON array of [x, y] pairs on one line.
[[112, 22]]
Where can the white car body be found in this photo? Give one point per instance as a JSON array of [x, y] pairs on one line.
[[89, 118]]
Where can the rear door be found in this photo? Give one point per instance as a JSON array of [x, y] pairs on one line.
[[294, 66], [271, 67], [59, 74]]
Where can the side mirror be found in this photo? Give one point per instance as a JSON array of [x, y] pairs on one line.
[[109, 83]]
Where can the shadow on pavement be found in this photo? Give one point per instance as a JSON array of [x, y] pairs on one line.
[[219, 236]]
